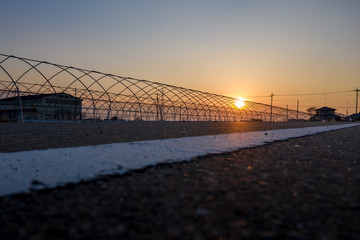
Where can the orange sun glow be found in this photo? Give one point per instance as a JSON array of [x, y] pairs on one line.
[[239, 103]]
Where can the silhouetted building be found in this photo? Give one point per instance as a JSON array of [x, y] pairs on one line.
[[353, 117], [42, 107], [325, 114]]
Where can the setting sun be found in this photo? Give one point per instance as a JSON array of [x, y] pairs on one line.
[[239, 103]]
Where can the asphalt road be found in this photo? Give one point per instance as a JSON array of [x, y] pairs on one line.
[[28, 136], [305, 188]]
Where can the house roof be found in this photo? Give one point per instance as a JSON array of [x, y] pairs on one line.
[[325, 109], [355, 115], [39, 96]]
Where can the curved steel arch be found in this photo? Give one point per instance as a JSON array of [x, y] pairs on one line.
[[128, 98]]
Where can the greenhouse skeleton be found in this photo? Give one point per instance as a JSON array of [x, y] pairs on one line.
[[111, 97]]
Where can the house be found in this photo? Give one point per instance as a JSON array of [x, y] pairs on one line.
[[353, 117], [325, 114], [41, 107]]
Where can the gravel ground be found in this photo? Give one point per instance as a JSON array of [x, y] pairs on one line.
[[27, 136], [305, 188]]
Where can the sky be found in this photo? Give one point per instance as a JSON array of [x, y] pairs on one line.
[[236, 48]]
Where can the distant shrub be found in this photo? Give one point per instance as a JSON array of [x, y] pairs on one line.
[[4, 120], [138, 119]]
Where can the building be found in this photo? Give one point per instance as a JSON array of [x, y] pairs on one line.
[[325, 114], [353, 117], [42, 107]]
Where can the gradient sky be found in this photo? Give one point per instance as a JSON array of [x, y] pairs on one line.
[[234, 48]]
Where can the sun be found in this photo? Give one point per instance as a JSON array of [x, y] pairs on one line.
[[239, 103]]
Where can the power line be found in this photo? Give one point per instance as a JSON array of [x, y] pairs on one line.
[[303, 94], [313, 94], [293, 106], [357, 97], [309, 94]]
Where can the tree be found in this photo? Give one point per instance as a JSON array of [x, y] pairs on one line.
[[311, 110]]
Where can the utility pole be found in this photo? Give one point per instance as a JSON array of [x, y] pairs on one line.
[[297, 110], [75, 106], [162, 104], [271, 106], [287, 112], [157, 107], [357, 98], [347, 106]]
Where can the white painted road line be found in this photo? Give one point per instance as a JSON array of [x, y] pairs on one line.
[[37, 169]]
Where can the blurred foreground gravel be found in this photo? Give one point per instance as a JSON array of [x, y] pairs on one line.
[[305, 188]]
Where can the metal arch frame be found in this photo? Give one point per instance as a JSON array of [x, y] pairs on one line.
[[171, 90], [198, 102], [189, 91], [65, 68], [183, 103], [134, 95], [117, 81], [17, 89], [145, 93], [152, 99], [34, 67], [182, 91], [134, 99], [206, 107], [178, 92], [95, 81]]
